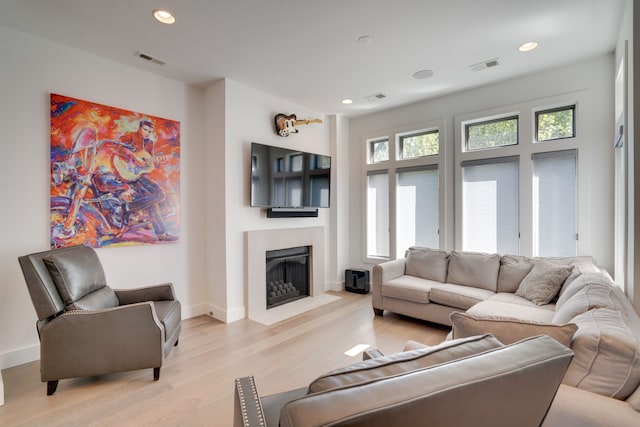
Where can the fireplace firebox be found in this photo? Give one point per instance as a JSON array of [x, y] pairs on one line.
[[287, 275]]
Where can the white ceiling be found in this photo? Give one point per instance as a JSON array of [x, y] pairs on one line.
[[307, 51]]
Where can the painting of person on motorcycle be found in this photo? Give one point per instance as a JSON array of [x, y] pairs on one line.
[[115, 181]]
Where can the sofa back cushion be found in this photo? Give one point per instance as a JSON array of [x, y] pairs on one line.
[[581, 264], [607, 352], [475, 269], [427, 263], [513, 269], [78, 274], [402, 363], [509, 330], [593, 295]]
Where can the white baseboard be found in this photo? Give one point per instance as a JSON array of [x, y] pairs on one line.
[[226, 316], [19, 356]]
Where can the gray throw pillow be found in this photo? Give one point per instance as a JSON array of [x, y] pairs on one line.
[[543, 282]]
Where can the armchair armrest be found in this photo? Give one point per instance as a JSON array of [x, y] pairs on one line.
[[162, 292], [371, 353], [103, 341], [247, 407]]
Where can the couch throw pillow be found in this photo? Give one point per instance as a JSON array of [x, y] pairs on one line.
[[509, 330], [543, 282], [401, 363]]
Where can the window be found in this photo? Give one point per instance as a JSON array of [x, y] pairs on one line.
[[553, 124], [417, 221], [378, 214], [404, 169], [491, 133], [554, 203], [379, 151], [490, 205], [419, 144]]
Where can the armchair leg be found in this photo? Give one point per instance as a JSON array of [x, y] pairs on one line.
[[176, 344], [51, 387], [378, 311], [156, 374]]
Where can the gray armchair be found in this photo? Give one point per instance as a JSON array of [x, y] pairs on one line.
[[86, 328], [473, 381]]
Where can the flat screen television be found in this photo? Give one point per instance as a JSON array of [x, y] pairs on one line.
[[285, 178]]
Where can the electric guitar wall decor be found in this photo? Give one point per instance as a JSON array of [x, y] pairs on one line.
[[286, 124]]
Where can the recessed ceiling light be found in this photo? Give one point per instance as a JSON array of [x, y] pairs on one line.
[[526, 47], [347, 101], [422, 74], [164, 16]]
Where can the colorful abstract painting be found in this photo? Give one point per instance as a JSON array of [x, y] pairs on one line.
[[115, 176]]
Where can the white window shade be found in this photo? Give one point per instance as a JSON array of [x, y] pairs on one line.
[[417, 219], [490, 205], [554, 203], [378, 214]]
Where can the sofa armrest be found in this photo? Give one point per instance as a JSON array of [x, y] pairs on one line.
[[247, 407], [382, 273], [103, 341], [162, 292]]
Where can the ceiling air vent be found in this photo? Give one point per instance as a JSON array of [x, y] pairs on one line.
[[375, 97], [485, 64], [149, 58]]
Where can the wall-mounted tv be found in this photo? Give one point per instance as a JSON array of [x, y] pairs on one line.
[[285, 178]]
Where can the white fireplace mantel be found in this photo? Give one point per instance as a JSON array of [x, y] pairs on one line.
[[261, 241]]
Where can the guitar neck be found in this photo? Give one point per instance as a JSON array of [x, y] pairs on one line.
[[306, 122]]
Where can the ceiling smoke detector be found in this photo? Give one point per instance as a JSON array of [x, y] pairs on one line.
[[490, 63], [149, 58], [375, 97]]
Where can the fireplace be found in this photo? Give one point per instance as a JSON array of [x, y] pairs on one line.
[[287, 275], [258, 243]]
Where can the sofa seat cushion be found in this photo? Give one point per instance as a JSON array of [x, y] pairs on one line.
[[514, 299], [476, 269], [593, 295], [458, 296], [509, 330], [528, 313], [409, 288], [401, 363], [607, 353], [427, 263]]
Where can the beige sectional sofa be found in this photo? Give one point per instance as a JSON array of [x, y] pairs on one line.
[[514, 297]]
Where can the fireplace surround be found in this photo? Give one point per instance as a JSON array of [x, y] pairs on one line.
[[261, 241]]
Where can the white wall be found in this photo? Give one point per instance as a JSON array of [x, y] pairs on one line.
[[31, 69], [595, 76], [249, 118]]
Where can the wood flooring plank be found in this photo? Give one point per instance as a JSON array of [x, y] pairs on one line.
[[197, 379]]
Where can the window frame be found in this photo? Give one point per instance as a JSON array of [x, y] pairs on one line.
[[525, 149], [487, 121], [392, 166], [554, 110]]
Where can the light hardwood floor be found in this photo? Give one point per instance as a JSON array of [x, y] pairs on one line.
[[196, 381]]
